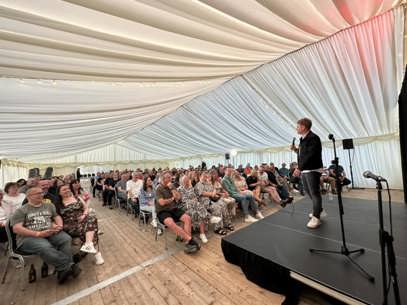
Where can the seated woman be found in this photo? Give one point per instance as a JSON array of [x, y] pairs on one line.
[[224, 195], [77, 190], [254, 185], [4, 216], [241, 184], [146, 199], [12, 199], [212, 200], [190, 204], [78, 222]]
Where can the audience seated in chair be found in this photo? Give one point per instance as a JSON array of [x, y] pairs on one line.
[[4, 217], [342, 176], [77, 190], [79, 221], [108, 190], [133, 188], [12, 200], [267, 187], [193, 207], [121, 187], [280, 184], [254, 185], [168, 213], [146, 199], [246, 201], [212, 200], [224, 195], [39, 231]]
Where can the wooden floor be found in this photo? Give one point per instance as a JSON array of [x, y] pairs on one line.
[[205, 278]]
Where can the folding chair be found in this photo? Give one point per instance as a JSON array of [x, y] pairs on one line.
[[143, 217], [15, 254]]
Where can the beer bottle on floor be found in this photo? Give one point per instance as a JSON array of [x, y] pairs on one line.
[[44, 270], [32, 276]]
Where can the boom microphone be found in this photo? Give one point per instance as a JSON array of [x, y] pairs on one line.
[[369, 174]]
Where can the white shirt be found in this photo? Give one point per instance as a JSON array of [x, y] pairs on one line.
[[4, 216], [134, 188], [264, 177], [12, 203]]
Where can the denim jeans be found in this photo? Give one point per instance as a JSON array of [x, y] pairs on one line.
[[54, 250], [246, 201], [311, 183]]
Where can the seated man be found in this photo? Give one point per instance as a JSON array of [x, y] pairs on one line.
[[39, 231], [341, 172], [168, 212], [108, 190], [121, 187], [133, 188], [326, 178], [246, 201], [284, 171]]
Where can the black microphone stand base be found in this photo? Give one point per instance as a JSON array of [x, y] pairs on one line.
[[346, 252]]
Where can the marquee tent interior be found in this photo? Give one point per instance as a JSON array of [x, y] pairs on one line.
[[125, 84]]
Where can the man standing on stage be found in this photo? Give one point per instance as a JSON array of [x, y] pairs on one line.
[[309, 167]]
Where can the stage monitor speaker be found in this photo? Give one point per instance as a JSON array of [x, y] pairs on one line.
[[48, 173], [33, 172], [227, 156], [347, 143]]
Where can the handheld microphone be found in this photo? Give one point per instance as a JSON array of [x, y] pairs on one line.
[[293, 142], [369, 174], [331, 137]]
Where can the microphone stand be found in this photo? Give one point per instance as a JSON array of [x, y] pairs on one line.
[[386, 240], [344, 249]]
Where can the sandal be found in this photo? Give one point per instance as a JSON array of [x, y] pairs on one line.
[[221, 232], [230, 227]]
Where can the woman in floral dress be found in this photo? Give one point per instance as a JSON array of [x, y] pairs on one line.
[[214, 203], [78, 221], [190, 204]]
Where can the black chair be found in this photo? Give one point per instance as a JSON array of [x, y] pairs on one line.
[[15, 255]]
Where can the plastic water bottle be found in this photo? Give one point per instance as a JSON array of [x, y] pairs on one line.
[[32, 275]]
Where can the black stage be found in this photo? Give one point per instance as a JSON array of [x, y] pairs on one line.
[[269, 249]]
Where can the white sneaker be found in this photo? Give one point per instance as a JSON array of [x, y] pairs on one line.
[[250, 218], [202, 236], [259, 215], [322, 215], [88, 248], [99, 259], [215, 219], [154, 223], [314, 223]]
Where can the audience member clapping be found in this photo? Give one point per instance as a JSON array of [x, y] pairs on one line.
[[78, 221], [191, 205]]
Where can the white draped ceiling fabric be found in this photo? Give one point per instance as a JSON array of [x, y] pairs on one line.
[[96, 81]]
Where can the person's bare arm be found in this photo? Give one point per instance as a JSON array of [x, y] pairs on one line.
[[19, 229]]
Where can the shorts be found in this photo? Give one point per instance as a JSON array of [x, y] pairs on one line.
[[175, 214]]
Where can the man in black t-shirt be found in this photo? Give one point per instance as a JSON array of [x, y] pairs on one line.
[[108, 190], [168, 212]]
